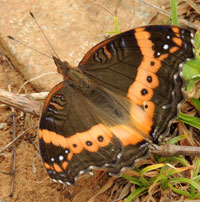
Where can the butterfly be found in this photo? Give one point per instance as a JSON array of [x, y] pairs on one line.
[[122, 97]]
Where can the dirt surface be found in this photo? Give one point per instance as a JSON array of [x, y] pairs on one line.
[[31, 180], [72, 28]]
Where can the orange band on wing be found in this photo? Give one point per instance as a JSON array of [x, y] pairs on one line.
[[141, 118], [56, 105], [47, 166], [176, 30], [91, 140], [57, 168], [108, 54], [141, 90], [127, 135], [95, 48], [149, 79], [173, 49], [150, 64], [54, 90], [64, 165], [178, 41], [139, 93]]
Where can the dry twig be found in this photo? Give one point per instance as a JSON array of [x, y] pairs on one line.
[[20, 102]]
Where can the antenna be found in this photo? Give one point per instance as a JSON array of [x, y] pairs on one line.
[[12, 38], [31, 14]]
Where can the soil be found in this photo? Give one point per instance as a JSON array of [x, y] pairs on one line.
[[31, 182]]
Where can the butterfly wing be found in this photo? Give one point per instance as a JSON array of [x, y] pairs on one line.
[[143, 65], [82, 129], [135, 92]]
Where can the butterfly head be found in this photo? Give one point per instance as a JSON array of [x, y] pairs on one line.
[[62, 67]]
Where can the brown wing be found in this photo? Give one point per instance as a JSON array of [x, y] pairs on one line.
[[79, 133], [143, 64]]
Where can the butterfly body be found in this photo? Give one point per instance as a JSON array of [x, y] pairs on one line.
[[122, 96]]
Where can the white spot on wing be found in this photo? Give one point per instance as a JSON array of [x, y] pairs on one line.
[[61, 158], [60, 181], [166, 46]]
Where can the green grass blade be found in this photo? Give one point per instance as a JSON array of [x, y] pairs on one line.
[[160, 177], [177, 139], [117, 31], [197, 41], [147, 169], [196, 167], [195, 176], [188, 181], [174, 12], [136, 193], [196, 103], [182, 192], [116, 24], [197, 196], [178, 191], [179, 159], [193, 121], [132, 180]]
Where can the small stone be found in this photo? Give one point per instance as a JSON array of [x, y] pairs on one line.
[[3, 126]]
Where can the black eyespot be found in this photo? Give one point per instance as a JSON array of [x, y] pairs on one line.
[[88, 143], [144, 91], [74, 145], [145, 106], [149, 79], [100, 138], [152, 63]]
